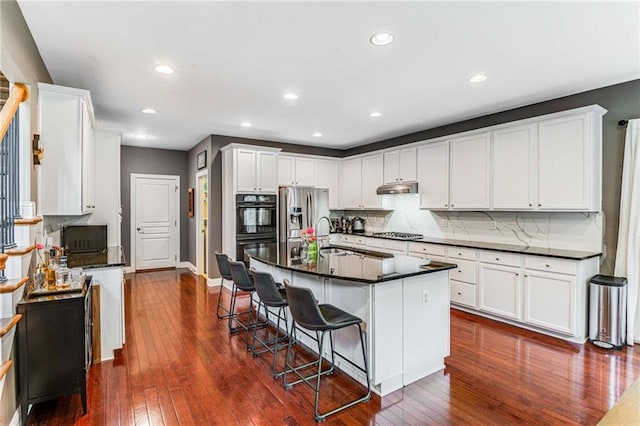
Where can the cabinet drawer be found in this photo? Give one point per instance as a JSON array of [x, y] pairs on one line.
[[550, 264], [500, 258], [360, 241], [429, 257], [462, 253], [463, 293], [396, 246], [466, 271], [434, 249], [375, 242]]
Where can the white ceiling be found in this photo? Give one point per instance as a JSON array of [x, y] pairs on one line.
[[235, 60]]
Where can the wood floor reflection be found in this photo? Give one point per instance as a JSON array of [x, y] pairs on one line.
[[181, 367]]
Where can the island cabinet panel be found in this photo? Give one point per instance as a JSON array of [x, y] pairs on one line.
[[387, 341], [426, 330]]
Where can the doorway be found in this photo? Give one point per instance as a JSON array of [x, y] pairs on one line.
[[202, 229], [155, 228]]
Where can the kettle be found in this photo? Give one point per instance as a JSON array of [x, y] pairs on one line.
[[357, 225]]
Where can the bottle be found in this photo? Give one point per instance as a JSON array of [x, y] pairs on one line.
[[62, 273]]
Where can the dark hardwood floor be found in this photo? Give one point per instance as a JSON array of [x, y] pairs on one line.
[[180, 366]]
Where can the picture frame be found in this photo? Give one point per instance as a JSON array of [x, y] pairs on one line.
[[201, 160], [190, 202]]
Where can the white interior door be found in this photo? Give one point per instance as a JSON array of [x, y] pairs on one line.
[[156, 202], [202, 213]]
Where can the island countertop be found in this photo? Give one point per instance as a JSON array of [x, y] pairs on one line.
[[351, 264]]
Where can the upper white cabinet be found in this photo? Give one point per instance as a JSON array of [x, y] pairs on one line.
[[569, 163], [469, 168], [361, 177], [254, 170], [66, 134], [299, 171], [327, 177], [513, 164], [433, 175], [400, 166]]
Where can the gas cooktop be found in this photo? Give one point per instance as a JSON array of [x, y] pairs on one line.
[[398, 235]]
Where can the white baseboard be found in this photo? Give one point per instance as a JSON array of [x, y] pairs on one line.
[[189, 266], [129, 269], [214, 282]]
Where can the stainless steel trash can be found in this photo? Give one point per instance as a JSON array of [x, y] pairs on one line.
[[608, 311]]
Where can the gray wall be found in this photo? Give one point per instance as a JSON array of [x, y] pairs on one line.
[[152, 161]]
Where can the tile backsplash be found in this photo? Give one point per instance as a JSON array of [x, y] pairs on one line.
[[575, 231]]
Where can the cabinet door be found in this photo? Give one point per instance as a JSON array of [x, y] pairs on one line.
[[564, 150], [500, 290], [433, 175], [372, 178], [513, 166], [407, 165], [286, 170], [352, 183], [88, 168], [327, 177], [305, 171], [267, 172], [246, 171], [549, 301], [391, 163], [470, 172]]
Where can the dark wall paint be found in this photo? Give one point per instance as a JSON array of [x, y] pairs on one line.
[[159, 162]]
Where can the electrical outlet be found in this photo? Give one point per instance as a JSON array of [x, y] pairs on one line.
[[445, 223], [425, 297], [492, 224]]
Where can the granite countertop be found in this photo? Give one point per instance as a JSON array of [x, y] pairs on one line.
[[363, 266], [535, 251], [114, 257]]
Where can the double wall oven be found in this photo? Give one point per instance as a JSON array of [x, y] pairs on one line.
[[256, 222]]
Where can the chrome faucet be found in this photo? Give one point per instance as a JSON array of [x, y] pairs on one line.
[[323, 237]]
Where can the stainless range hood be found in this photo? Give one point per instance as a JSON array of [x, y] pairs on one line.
[[398, 188]]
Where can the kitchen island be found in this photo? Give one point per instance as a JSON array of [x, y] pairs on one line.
[[403, 300]]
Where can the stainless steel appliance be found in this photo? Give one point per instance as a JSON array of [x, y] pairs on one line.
[[398, 188], [607, 311], [399, 235], [256, 222], [357, 225], [300, 208]]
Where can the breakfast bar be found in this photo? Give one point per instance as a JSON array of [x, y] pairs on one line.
[[403, 301]]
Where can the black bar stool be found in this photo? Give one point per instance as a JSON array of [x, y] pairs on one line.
[[243, 282], [223, 266], [271, 297], [323, 319]]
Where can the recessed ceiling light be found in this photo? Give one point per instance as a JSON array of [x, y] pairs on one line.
[[375, 114], [317, 135], [140, 136], [479, 78], [149, 111], [290, 96], [245, 124], [381, 39], [163, 69]]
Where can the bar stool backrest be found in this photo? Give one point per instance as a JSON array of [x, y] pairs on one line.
[[304, 308], [223, 265], [240, 276], [267, 289]]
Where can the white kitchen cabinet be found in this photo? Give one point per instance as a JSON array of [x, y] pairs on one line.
[[327, 177], [298, 171], [550, 301], [112, 330], [256, 171], [66, 134], [433, 175], [500, 290], [569, 163], [361, 177], [470, 172], [513, 165], [400, 166], [428, 251]]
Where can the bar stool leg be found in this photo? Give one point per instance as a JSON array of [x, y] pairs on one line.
[[223, 308]]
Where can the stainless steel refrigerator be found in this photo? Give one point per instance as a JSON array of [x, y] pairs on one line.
[[300, 207]]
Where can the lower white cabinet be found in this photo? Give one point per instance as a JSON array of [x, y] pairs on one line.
[[463, 293], [550, 300], [500, 290]]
